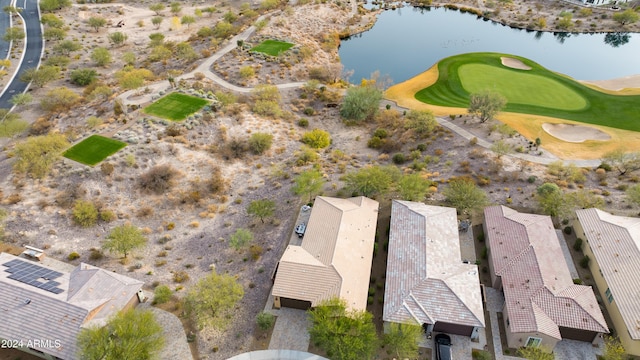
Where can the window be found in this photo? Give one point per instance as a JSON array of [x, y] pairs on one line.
[[609, 295], [533, 342]]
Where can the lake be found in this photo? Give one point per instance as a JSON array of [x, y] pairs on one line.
[[408, 41]]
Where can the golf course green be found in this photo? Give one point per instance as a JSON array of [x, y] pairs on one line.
[[534, 90]]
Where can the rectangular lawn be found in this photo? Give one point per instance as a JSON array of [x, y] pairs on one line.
[[272, 47], [175, 106], [93, 149]]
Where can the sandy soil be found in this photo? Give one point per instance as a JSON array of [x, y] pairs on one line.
[[575, 133], [514, 63]]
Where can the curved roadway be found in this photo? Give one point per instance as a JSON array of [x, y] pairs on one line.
[[32, 52], [5, 22]]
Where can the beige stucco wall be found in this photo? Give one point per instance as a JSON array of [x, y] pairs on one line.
[[632, 346], [518, 340]]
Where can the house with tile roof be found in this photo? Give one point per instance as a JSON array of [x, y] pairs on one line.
[[427, 283], [42, 310], [334, 257], [613, 245], [542, 304]]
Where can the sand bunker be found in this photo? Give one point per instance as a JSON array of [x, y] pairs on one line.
[[514, 63], [574, 133]]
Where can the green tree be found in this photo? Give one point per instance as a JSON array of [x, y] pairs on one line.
[[211, 302], [360, 103], [401, 341], [342, 334], [130, 78], [421, 122], [265, 320], [175, 7], [613, 349], [241, 238], [51, 20], [317, 139], [157, 8], [40, 76], [309, 182], [223, 30], [52, 5], [187, 20], [622, 161], [261, 209], [464, 195], [156, 21], [36, 155], [413, 187], [565, 22], [131, 334], [486, 104], [584, 199], [260, 142], [54, 34], [59, 99], [124, 238], [118, 38], [370, 181], [628, 16], [501, 148], [96, 22], [66, 47], [535, 353], [85, 213], [552, 200], [161, 294], [633, 194], [14, 33], [83, 77], [101, 56], [11, 123]]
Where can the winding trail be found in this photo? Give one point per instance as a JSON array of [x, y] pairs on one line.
[[205, 68]]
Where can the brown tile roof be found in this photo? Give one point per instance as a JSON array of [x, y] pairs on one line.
[[539, 292], [615, 243], [426, 280], [334, 258], [28, 312]]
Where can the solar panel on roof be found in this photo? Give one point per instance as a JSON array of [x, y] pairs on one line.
[[34, 275]]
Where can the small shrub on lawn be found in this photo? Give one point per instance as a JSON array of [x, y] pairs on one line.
[[73, 256]]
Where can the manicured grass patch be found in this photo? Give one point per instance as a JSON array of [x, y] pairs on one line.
[[93, 149], [272, 47], [175, 106], [537, 91]]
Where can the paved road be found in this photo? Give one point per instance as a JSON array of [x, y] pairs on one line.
[[5, 22], [33, 52]]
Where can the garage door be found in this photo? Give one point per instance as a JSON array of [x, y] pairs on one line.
[[449, 328], [295, 304], [575, 334]]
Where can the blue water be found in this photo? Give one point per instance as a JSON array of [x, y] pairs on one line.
[[408, 41]]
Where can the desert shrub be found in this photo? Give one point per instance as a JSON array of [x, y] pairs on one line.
[[303, 122], [174, 130], [317, 139], [577, 246], [399, 158], [107, 215], [360, 103], [260, 142], [73, 256], [144, 212], [584, 262], [68, 196], [235, 148], [95, 254], [158, 179], [376, 142], [83, 77], [59, 100], [265, 320], [85, 213], [180, 276], [161, 294], [577, 281], [216, 183], [305, 156], [106, 168], [568, 230], [247, 72], [255, 251], [531, 179], [267, 108], [381, 133]]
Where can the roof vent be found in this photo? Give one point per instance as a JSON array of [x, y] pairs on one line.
[[27, 301]]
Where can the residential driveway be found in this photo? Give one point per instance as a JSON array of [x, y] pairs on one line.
[[290, 331], [576, 350]]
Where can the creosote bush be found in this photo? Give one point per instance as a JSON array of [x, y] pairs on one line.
[[317, 139], [158, 179]]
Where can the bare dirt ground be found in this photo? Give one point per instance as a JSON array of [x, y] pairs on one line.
[[190, 234]]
